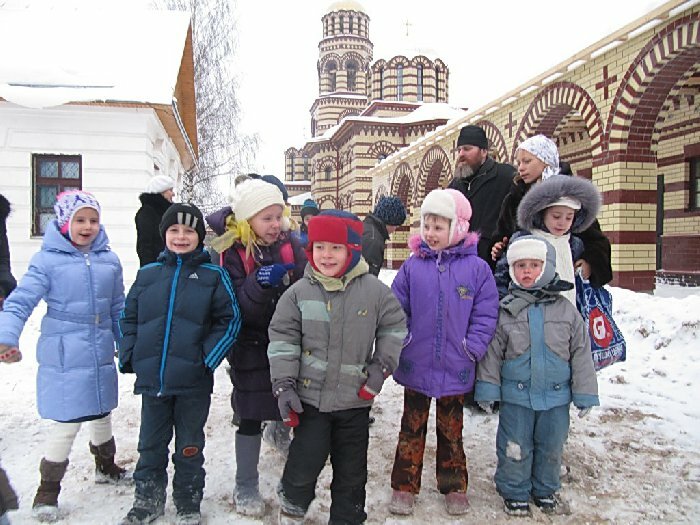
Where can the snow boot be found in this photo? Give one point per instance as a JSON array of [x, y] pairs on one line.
[[141, 516], [188, 518], [45, 506], [551, 505], [276, 434], [402, 503], [246, 495], [456, 503], [106, 470], [516, 508], [289, 519]]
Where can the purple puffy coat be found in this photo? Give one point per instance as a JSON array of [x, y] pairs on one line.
[[250, 368], [451, 306]]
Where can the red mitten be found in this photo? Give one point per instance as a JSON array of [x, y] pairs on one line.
[[376, 374]]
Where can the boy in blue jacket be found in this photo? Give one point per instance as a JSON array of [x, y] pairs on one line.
[[537, 364], [180, 320]]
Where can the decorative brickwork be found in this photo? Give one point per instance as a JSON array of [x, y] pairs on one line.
[[624, 113]]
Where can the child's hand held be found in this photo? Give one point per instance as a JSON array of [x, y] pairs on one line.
[[10, 354], [272, 275]]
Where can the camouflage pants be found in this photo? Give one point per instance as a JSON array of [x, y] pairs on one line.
[[450, 463]]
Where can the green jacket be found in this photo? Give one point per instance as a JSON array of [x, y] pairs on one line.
[[325, 339]]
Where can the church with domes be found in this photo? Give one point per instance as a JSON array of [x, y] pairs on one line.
[[366, 109]]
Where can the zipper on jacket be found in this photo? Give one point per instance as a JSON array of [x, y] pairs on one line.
[[166, 341], [93, 328]]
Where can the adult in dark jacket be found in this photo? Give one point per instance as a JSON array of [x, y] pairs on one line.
[[484, 182], [7, 281], [538, 159], [388, 214], [154, 201]]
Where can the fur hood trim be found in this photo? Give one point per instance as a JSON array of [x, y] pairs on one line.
[[543, 194]]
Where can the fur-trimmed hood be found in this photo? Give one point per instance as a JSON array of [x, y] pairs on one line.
[[4, 208], [543, 194]]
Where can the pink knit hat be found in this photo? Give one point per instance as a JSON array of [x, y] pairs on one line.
[[452, 205]]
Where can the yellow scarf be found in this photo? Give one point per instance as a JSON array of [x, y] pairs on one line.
[[240, 231]]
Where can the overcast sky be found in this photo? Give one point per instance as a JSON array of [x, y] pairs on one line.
[[490, 47]]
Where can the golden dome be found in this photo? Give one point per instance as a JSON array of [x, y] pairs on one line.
[[345, 5]]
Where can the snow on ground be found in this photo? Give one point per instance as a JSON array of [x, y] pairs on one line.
[[635, 459]]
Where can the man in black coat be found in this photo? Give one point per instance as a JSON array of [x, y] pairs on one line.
[[154, 202], [7, 281], [484, 182]]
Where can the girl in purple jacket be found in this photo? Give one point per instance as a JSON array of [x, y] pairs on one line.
[[451, 304]]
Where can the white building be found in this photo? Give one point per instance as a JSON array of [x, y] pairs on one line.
[[98, 101]]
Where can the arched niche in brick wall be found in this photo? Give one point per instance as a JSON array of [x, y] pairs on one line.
[[644, 89], [562, 102], [434, 172], [497, 144], [326, 202], [402, 184]]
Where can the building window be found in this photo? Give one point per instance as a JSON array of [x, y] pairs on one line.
[[351, 69], [328, 172], [380, 158], [331, 69], [292, 158], [351, 24], [52, 174], [342, 24], [306, 167], [420, 83], [381, 84], [695, 183], [399, 82]]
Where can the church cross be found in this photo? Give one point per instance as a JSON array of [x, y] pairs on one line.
[[407, 24], [606, 82], [511, 124]]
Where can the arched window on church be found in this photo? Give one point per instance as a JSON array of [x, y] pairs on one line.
[[292, 158], [399, 82], [351, 70], [420, 82], [331, 70], [342, 24], [351, 23], [327, 171], [306, 167], [381, 83], [380, 158], [437, 84], [333, 25]]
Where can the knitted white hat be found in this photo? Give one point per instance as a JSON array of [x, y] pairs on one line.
[[159, 184], [531, 247], [252, 196]]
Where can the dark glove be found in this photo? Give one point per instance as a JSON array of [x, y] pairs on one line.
[[272, 275], [288, 401], [583, 412], [486, 406], [376, 374]]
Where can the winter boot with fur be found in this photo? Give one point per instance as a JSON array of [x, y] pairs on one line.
[[106, 470], [45, 506], [246, 495]]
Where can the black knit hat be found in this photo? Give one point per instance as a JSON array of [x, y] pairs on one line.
[[390, 210], [186, 214], [473, 135]]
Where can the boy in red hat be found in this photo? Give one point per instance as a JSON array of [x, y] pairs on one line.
[[336, 335]]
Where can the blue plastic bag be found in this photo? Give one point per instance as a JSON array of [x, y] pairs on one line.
[[595, 305]]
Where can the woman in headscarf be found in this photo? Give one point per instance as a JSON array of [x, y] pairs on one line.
[[537, 159]]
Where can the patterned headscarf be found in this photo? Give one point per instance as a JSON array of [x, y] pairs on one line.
[[544, 149], [68, 203]]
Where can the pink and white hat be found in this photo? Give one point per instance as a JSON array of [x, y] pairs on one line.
[[450, 204], [68, 203]]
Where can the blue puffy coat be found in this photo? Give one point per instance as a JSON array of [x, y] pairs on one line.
[[180, 320], [84, 292]]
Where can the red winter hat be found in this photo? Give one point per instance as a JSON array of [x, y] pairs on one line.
[[338, 227]]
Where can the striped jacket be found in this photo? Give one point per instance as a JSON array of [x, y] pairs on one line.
[[180, 320], [325, 340]]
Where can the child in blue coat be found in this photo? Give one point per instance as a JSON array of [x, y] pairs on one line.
[[80, 279], [180, 320]]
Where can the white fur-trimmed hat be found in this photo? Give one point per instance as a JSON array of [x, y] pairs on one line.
[[251, 196], [159, 184]]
